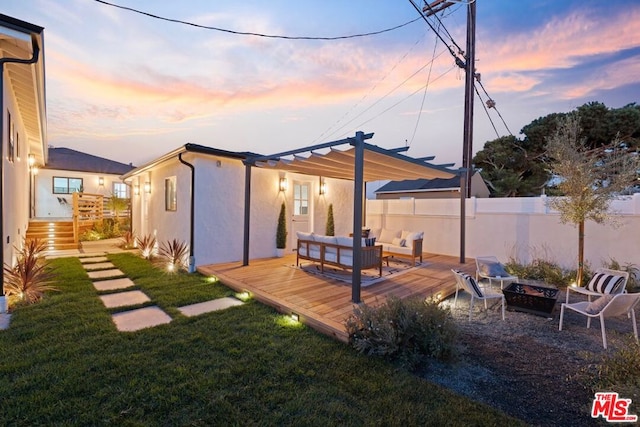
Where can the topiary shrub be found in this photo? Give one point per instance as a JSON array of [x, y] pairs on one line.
[[281, 232], [330, 223], [405, 330]]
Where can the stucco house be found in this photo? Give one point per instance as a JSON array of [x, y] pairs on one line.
[[23, 126], [437, 188], [68, 171], [164, 205]]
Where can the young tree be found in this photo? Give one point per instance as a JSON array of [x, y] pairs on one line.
[[588, 179]]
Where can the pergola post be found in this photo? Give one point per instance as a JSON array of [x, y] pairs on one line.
[[247, 212], [358, 181]]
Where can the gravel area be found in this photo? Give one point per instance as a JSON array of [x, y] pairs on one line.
[[525, 366]]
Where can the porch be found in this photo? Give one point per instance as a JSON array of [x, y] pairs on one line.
[[323, 303]]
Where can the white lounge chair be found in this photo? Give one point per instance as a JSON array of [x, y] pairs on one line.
[[605, 306], [488, 267], [469, 284], [603, 282]]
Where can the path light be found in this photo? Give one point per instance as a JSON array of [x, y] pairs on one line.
[[573, 284], [244, 295], [295, 317], [212, 279]]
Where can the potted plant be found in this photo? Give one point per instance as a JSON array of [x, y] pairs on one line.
[[330, 223], [281, 232]]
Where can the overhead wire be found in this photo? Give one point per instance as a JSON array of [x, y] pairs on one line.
[[254, 34], [494, 106], [486, 111]]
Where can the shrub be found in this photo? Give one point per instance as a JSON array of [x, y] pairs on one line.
[[330, 222], [128, 240], [30, 278], [174, 255], [281, 232], [147, 245], [408, 330], [544, 270], [620, 371], [634, 273]]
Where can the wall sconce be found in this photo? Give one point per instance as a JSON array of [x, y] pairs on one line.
[[323, 187], [147, 187], [283, 184], [101, 181], [35, 170], [32, 160], [136, 189]]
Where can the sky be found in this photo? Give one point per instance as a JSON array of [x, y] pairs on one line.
[[131, 88]]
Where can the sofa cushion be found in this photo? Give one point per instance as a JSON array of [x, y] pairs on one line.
[[402, 250], [387, 236], [304, 236], [325, 239], [345, 253], [411, 236], [344, 241]]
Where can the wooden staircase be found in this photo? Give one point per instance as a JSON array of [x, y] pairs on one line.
[[57, 234]]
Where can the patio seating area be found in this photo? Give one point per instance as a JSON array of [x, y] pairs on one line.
[[323, 303]]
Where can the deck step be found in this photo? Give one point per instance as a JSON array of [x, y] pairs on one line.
[[57, 235]]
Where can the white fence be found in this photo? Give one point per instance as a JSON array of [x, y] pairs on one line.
[[522, 227]]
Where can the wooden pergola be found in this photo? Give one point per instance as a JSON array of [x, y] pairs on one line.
[[360, 162]]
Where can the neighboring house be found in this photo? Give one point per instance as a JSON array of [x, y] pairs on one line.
[[163, 194], [68, 171], [439, 188], [23, 128]]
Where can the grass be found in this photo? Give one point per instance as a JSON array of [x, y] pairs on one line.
[[62, 362]]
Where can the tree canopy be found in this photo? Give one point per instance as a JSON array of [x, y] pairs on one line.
[[515, 166]]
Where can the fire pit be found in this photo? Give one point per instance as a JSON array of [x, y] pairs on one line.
[[532, 299]]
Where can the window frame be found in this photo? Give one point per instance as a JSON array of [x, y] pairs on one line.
[[118, 193], [68, 188], [171, 194]]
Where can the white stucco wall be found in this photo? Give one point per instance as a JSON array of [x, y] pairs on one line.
[[524, 228], [16, 182], [219, 201], [47, 204]]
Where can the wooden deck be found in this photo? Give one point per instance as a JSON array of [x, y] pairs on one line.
[[324, 303]]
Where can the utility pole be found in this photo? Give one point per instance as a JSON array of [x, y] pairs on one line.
[[468, 63]]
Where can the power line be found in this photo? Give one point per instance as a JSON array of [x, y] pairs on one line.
[[487, 111], [249, 33], [492, 104]]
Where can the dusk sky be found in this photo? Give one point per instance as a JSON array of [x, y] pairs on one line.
[[131, 88]]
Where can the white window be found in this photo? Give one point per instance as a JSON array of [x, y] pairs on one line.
[[121, 190], [301, 199], [64, 185], [170, 194]]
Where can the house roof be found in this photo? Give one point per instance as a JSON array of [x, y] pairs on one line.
[[421, 185], [194, 148], [22, 40], [72, 160]]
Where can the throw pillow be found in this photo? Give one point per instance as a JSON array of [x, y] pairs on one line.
[[596, 306], [493, 269], [472, 284], [605, 283], [397, 241], [387, 236]]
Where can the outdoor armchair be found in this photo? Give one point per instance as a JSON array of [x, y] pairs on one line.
[[488, 267], [469, 284], [604, 281], [605, 306]]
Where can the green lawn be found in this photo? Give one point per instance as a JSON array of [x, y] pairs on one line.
[[62, 362]]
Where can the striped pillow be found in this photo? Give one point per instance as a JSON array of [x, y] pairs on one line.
[[472, 284], [604, 283]]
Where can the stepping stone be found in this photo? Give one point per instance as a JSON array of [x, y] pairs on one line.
[[94, 259], [103, 274], [123, 299], [141, 318], [208, 306], [113, 284], [98, 266]]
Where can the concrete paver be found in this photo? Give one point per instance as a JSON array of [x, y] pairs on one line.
[[94, 259], [98, 266], [123, 299], [208, 306], [103, 274], [113, 284], [141, 318]]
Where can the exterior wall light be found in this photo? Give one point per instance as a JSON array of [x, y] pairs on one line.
[[32, 160], [283, 185], [147, 187], [323, 187], [136, 189], [101, 181]]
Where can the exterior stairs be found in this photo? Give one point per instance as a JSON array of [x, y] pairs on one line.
[[57, 234]]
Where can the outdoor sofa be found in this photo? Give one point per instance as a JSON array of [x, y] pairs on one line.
[[399, 243], [336, 251]]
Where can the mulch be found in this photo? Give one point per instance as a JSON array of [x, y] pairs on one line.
[[527, 368]]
